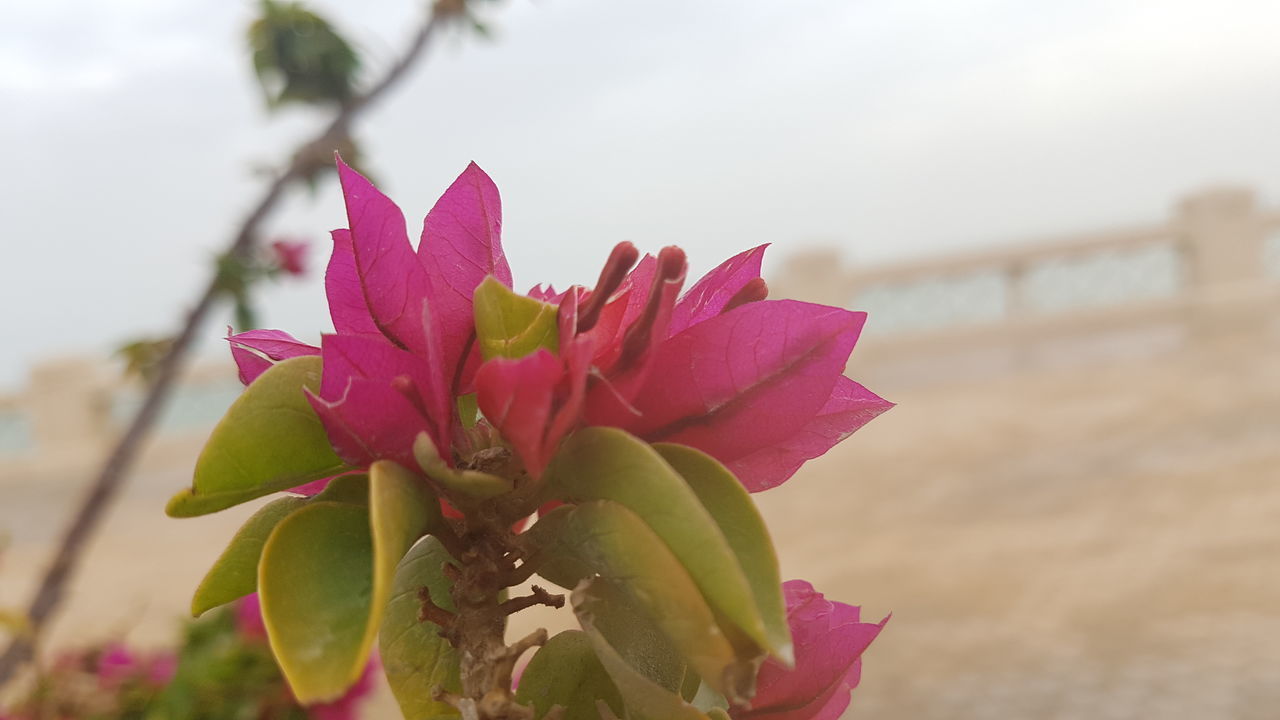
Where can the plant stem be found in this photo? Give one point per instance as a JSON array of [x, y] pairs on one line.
[[110, 478], [478, 626]]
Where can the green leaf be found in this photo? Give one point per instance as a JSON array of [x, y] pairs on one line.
[[269, 440], [734, 512], [235, 573], [401, 510], [605, 538], [600, 463], [644, 698], [566, 672], [315, 581], [352, 489], [463, 486], [511, 325], [636, 637], [414, 657]]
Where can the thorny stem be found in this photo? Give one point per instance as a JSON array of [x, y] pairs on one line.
[[107, 483], [477, 627]]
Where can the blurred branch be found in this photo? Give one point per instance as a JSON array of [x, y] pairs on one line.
[[109, 479]]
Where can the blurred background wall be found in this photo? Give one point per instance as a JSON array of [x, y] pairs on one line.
[[1062, 218]]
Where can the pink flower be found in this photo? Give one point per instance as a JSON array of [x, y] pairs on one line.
[[161, 668], [256, 350], [249, 618], [290, 256], [756, 383], [829, 641], [116, 664]]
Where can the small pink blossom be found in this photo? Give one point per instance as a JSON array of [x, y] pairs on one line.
[[290, 256], [249, 618], [116, 664], [829, 638]]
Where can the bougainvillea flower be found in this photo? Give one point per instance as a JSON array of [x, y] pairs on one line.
[[290, 256], [256, 350], [756, 383], [116, 664], [830, 638]]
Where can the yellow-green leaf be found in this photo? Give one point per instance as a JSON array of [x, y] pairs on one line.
[[644, 698], [602, 463], [401, 510], [733, 510], [269, 440], [511, 325], [352, 489], [414, 656], [235, 573], [566, 672], [613, 542], [464, 486], [315, 581]]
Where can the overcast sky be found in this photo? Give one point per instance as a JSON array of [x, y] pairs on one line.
[[890, 127]]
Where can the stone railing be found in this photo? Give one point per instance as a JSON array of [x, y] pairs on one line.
[[1212, 268]]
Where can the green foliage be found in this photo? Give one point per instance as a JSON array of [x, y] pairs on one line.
[[511, 325], [614, 543], [142, 357], [467, 487], [222, 675], [737, 517], [401, 510], [299, 57], [235, 573], [315, 581], [566, 672], [610, 464], [414, 656], [646, 699], [269, 440]]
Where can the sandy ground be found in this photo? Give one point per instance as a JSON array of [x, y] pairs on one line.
[[1094, 543]]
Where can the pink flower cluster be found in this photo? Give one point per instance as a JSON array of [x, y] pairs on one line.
[[756, 383]]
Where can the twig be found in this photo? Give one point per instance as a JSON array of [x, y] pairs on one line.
[[52, 586], [539, 597]]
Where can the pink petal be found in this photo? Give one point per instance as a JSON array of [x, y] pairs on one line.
[[547, 294], [851, 406], [394, 284], [370, 357], [636, 287], [621, 381], [461, 245], [745, 380], [708, 297], [829, 640], [249, 621], [257, 350], [371, 421], [347, 306], [516, 395]]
